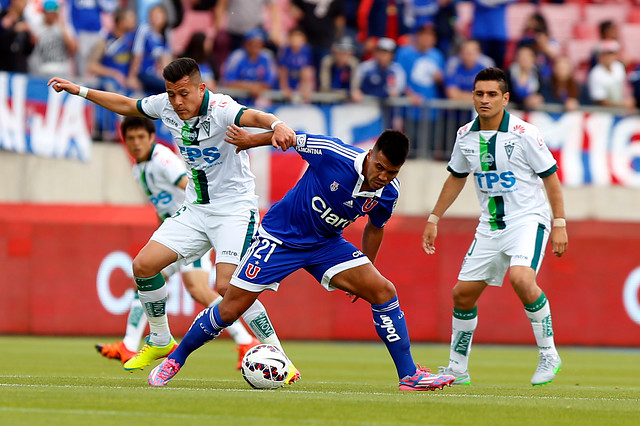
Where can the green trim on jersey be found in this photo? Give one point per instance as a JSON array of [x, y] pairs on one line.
[[139, 107], [204, 106], [538, 251], [143, 174], [250, 231], [236, 120], [456, 174], [201, 185], [488, 163], [179, 179], [197, 263], [549, 172], [503, 127]]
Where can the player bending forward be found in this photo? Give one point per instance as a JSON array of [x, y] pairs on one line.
[[162, 176], [220, 208], [304, 230], [509, 162]]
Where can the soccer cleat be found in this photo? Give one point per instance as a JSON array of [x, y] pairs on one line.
[[460, 378], [115, 350], [548, 367], [243, 349], [148, 354], [424, 380], [293, 375], [163, 372]]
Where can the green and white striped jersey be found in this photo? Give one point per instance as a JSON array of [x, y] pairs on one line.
[[158, 177], [217, 175], [506, 166]]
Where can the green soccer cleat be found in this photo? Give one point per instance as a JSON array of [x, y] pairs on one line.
[[148, 354], [460, 378], [548, 367], [293, 375]]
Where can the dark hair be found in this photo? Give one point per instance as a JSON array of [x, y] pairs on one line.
[[195, 48], [394, 145], [119, 15], [604, 27], [182, 67], [492, 74], [137, 123]]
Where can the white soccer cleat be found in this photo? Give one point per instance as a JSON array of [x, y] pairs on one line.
[[548, 367], [460, 378]]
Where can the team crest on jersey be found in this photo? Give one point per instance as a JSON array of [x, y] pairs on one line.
[[189, 135], [508, 148], [301, 141], [369, 204], [252, 270], [487, 159], [207, 127], [334, 186]]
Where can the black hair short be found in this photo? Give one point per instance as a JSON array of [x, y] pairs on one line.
[[182, 67], [394, 145], [493, 74], [137, 123]]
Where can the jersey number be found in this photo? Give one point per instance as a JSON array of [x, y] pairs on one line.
[[263, 246]]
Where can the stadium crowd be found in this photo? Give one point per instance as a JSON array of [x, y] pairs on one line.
[[300, 50]]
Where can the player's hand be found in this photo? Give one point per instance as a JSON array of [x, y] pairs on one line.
[[239, 137], [283, 137], [559, 240], [429, 238], [60, 84]]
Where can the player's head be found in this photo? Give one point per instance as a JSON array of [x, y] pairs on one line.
[[139, 135], [490, 92], [384, 160], [184, 86]]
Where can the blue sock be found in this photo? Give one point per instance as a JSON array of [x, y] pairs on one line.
[[392, 329], [207, 326]]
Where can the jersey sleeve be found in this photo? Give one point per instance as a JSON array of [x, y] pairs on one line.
[[458, 165], [538, 155], [227, 111], [313, 148], [380, 216], [151, 106]]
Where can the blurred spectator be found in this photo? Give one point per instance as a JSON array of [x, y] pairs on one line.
[[524, 80], [606, 81], [536, 35], [112, 55], [54, 43], [295, 68], [323, 23], [151, 53], [338, 70], [417, 13], [608, 31], [489, 27], [246, 15], [444, 25], [16, 39], [4, 4], [86, 22], [197, 50], [562, 87], [381, 18], [462, 69], [252, 67], [380, 76], [174, 9]]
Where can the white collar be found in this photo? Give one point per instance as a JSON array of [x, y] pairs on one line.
[[357, 165]]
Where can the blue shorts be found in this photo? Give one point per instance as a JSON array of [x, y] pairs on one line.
[[267, 262]]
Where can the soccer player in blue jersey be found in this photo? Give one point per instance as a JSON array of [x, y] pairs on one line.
[[304, 230]]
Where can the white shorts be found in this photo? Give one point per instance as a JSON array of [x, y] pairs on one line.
[[493, 252], [202, 264], [194, 230]]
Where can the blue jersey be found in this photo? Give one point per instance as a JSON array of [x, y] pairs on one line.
[[85, 14], [294, 63], [152, 45], [240, 67], [117, 52], [328, 197]]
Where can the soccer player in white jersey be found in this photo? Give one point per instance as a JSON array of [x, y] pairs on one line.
[[162, 177], [509, 164], [304, 230], [220, 208]]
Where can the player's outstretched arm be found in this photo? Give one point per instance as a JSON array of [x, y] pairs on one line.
[[112, 101], [243, 139], [450, 191], [283, 136], [559, 238]]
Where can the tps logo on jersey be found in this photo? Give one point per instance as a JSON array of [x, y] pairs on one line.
[[369, 204], [487, 159], [334, 186], [252, 271], [192, 153], [488, 179]]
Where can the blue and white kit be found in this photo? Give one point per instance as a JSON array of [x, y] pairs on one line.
[[304, 229]]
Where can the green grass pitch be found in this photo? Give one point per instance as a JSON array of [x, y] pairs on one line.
[[64, 381]]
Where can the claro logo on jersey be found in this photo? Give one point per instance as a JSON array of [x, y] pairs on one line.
[[326, 213], [192, 153], [487, 180]]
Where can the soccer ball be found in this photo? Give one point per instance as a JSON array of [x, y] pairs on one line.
[[265, 367]]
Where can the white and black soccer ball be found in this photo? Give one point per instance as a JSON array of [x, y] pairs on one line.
[[265, 367]]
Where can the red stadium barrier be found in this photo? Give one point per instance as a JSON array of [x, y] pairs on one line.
[[63, 270]]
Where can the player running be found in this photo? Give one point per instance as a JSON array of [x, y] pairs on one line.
[[304, 230], [220, 208], [162, 176], [509, 162]]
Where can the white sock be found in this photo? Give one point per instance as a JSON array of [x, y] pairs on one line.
[[136, 324], [539, 313], [237, 331], [155, 303], [463, 325], [258, 321]]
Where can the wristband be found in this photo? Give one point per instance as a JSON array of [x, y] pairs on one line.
[[433, 219], [83, 92], [560, 222], [275, 123]]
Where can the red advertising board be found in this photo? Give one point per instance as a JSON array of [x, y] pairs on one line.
[[65, 270]]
